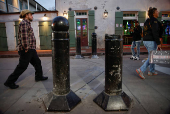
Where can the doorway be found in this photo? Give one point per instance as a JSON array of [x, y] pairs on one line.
[[45, 35], [82, 30]]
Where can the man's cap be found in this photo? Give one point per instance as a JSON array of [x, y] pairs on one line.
[[24, 12]]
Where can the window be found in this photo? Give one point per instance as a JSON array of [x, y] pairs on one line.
[[128, 25], [26, 6], [166, 15], [81, 13]]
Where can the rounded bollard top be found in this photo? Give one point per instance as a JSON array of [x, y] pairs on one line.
[[60, 24], [93, 35]]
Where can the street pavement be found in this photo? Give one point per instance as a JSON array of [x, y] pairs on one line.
[[87, 80]]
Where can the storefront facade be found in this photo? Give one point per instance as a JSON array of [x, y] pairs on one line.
[[87, 16]]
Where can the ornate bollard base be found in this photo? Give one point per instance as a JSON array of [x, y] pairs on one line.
[[66, 102], [78, 57], [119, 102], [94, 57]]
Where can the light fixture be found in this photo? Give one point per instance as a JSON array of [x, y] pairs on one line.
[[95, 8], [105, 13], [69, 9], [117, 7], [65, 14], [45, 17]]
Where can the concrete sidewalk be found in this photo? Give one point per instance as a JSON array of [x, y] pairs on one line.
[[150, 96], [85, 52]]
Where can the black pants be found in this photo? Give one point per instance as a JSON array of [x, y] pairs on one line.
[[25, 58]]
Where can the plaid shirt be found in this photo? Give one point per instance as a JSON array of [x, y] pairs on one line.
[[26, 38]]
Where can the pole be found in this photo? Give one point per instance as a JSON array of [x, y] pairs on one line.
[[113, 98], [94, 46], [78, 49], [61, 98]]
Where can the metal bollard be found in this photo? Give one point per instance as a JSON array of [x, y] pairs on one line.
[[113, 98], [94, 46], [78, 49], [61, 98]]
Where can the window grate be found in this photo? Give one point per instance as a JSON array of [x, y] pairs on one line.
[[81, 13], [129, 15]]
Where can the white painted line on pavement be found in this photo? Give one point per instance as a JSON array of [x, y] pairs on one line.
[[93, 89], [162, 69]]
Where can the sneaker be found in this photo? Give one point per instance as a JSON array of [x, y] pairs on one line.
[[136, 58], [140, 73], [152, 74], [132, 58]]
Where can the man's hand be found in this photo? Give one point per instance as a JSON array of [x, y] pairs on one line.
[[159, 47]]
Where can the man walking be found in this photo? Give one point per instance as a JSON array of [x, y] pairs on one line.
[[136, 41], [26, 50]]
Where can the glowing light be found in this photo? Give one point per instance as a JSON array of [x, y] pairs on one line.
[[79, 27], [105, 13], [44, 18], [65, 14]]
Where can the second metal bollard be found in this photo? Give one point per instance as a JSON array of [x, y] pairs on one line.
[[113, 98], [61, 98], [94, 46], [78, 49]]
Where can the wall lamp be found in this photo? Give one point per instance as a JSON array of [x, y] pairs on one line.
[[45, 17], [105, 13], [65, 14]]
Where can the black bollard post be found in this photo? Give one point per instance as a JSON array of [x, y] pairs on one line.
[[113, 98], [94, 46], [61, 98], [78, 49]]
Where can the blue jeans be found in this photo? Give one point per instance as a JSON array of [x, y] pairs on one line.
[[150, 45], [137, 45]]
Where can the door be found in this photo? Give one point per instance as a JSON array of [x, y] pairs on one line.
[[81, 31], [45, 35], [3, 38]]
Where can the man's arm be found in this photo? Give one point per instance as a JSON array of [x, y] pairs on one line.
[[24, 36]]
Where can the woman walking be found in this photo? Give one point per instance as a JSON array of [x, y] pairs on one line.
[[151, 40]]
